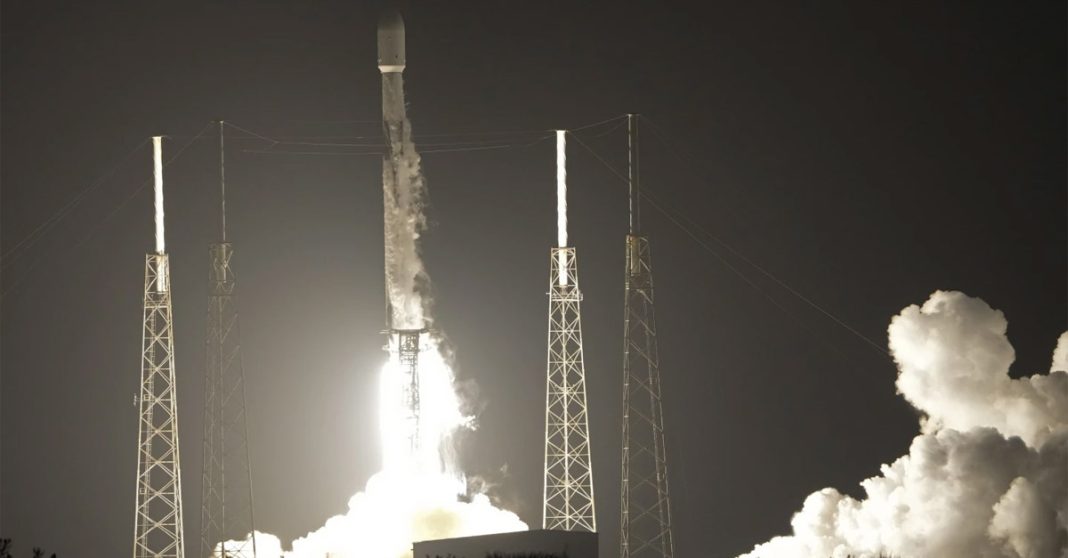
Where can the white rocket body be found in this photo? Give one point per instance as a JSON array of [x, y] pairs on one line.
[[391, 43]]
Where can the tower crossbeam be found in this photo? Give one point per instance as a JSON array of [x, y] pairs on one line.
[[226, 504], [645, 510], [568, 501], [226, 514], [158, 503]]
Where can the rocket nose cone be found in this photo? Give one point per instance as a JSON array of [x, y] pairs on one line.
[[391, 42], [391, 22]]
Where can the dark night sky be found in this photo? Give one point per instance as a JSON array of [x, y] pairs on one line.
[[865, 153]]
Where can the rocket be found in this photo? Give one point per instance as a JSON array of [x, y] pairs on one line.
[[391, 64], [398, 181], [391, 42]]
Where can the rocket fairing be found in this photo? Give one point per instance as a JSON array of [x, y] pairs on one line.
[[391, 61], [391, 42], [397, 133]]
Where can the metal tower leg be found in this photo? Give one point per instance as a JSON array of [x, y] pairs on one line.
[[646, 511], [158, 517], [568, 489], [226, 504], [408, 347]]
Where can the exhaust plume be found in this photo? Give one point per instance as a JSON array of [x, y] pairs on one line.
[[987, 475]]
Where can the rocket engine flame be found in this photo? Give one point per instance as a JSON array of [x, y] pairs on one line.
[[418, 494], [439, 412]]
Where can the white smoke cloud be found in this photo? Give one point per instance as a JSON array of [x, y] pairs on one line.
[[954, 359], [414, 497], [396, 509], [988, 475]]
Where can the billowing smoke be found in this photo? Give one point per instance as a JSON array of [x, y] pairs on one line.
[[390, 513], [419, 493], [413, 497], [988, 475]]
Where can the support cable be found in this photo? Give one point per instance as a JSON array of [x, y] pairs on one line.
[[96, 227], [687, 226], [63, 211]]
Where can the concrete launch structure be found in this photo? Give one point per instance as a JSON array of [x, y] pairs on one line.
[[541, 543], [158, 531]]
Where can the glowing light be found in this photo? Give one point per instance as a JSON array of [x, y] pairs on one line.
[[416, 495], [439, 412], [561, 203], [157, 163]]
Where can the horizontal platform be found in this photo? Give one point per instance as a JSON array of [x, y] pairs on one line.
[[520, 544]]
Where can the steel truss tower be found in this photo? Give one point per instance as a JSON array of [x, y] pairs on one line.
[[226, 497], [645, 522], [568, 488], [158, 504], [409, 344]]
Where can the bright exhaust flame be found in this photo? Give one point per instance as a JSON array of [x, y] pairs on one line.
[[561, 203], [417, 495], [439, 412]]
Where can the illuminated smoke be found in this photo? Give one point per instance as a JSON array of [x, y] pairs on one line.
[[561, 202], [409, 499], [986, 477], [439, 414], [412, 498]]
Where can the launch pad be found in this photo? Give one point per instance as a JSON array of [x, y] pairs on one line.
[[542, 543]]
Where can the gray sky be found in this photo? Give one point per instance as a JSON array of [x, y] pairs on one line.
[[865, 155]]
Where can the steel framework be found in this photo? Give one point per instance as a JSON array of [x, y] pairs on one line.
[[568, 490], [226, 503], [408, 347], [645, 512], [158, 504], [226, 489]]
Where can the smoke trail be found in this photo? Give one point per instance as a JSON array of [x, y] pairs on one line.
[[157, 174], [404, 194], [985, 478]]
